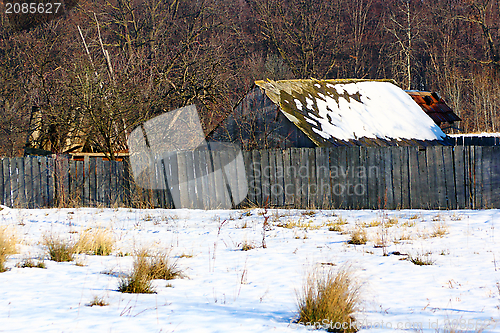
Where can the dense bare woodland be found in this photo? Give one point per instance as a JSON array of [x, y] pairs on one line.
[[105, 66]]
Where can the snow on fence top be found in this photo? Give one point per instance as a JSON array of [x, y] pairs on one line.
[[329, 110]]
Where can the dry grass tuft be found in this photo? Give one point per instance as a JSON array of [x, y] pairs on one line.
[[374, 223], [95, 241], [139, 281], [30, 263], [329, 300], [149, 267], [246, 246], [421, 260], [59, 250], [290, 224], [392, 221], [161, 266], [439, 229], [98, 301], [308, 213], [358, 236], [8, 241]]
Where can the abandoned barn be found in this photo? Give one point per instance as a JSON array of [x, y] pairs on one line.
[[330, 113]]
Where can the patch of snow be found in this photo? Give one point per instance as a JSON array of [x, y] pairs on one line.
[[229, 290], [299, 104], [385, 112]]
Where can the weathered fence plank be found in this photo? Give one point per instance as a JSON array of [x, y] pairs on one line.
[[288, 180], [280, 184], [478, 176], [495, 176], [323, 197], [459, 158], [450, 177], [257, 185], [273, 193]]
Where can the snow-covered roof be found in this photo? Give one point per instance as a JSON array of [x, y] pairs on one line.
[[331, 110]]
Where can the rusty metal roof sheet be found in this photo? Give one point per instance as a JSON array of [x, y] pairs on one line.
[[434, 106]]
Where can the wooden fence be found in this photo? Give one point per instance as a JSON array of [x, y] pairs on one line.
[[348, 177]]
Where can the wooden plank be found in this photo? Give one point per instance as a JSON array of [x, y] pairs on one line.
[[305, 175], [92, 183], [280, 178], [241, 190], [79, 183], [353, 165], [106, 168], [44, 181], [312, 187], [195, 201], [288, 180], [172, 178], [217, 187], [469, 171], [342, 175], [405, 177], [273, 187], [495, 177], [413, 176], [14, 187], [120, 183], [265, 178], [372, 189], [47, 171], [363, 173], [114, 185], [437, 195], [183, 179], [335, 177], [160, 180], [450, 177], [396, 177], [486, 177], [28, 181], [207, 181], [459, 159], [86, 182], [72, 181], [200, 175], [257, 172], [295, 162], [22, 202], [221, 177], [478, 177], [389, 182], [37, 189], [323, 196], [127, 184], [65, 174], [381, 177], [99, 176], [247, 158], [230, 175], [423, 179]]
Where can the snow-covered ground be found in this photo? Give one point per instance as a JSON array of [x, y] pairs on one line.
[[229, 290]]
